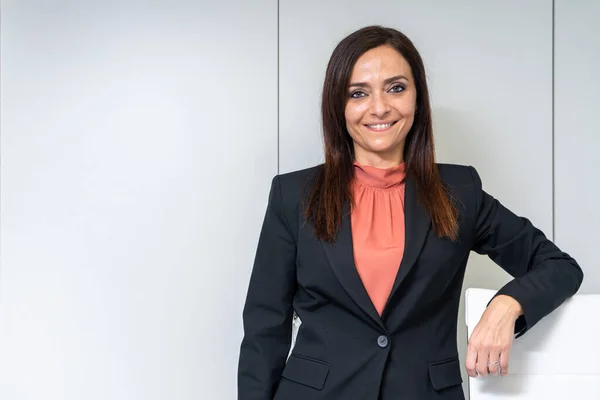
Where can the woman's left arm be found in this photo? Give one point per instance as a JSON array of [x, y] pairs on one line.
[[544, 277]]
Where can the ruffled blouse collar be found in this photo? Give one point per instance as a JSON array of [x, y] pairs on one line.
[[380, 178]]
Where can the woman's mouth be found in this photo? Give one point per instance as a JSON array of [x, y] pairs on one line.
[[380, 127]]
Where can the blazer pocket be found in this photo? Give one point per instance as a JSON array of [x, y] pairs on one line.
[[444, 374], [306, 371]]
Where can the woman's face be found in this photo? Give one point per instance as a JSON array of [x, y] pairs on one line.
[[381, 106]]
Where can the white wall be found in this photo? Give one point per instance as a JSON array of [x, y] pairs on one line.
[[577, 134], [138, 143]]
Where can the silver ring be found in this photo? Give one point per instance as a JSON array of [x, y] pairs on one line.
[[496, 363]]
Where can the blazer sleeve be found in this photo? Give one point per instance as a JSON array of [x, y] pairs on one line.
[[544, 276], [268, 311]]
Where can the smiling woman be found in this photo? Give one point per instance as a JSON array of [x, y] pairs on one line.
[[381, 107], [375, 78], [369, 250]]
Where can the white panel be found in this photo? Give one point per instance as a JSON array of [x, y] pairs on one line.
[[536, 387], [577, 134], [556, 358], [489, 66], [138, 144]]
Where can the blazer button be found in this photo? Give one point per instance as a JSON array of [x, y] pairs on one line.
[[382, 341]]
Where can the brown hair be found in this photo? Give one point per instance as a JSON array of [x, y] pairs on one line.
[[332, 187]]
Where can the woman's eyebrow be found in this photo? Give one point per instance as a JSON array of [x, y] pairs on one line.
[[387, 81]]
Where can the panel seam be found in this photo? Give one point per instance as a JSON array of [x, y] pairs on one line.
[[278, 134], [553, 125]]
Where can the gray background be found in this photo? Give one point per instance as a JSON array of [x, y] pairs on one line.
[[138, 141]]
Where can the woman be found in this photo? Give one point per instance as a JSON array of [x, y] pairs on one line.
[[370, 249]]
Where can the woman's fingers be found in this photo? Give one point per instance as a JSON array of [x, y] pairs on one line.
[[493, 362]]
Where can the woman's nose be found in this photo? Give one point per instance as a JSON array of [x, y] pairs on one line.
[[380, 106]]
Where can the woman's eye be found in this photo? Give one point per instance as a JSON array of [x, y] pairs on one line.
[[357, 94], [397, 88]]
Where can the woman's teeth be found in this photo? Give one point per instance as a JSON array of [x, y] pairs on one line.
[[380, 126]]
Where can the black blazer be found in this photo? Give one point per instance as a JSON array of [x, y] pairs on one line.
[[344, 349]]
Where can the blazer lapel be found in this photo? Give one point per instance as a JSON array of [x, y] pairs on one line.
[[417, 223], [341, 254], [341, 257]]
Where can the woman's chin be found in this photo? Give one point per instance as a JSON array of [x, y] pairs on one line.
[[384, 148]]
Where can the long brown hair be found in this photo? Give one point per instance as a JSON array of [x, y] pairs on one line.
[[332, 187]]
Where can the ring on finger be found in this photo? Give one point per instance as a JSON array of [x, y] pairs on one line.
[[497, 364]]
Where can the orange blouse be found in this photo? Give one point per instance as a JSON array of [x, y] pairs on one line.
[[377, 221]]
